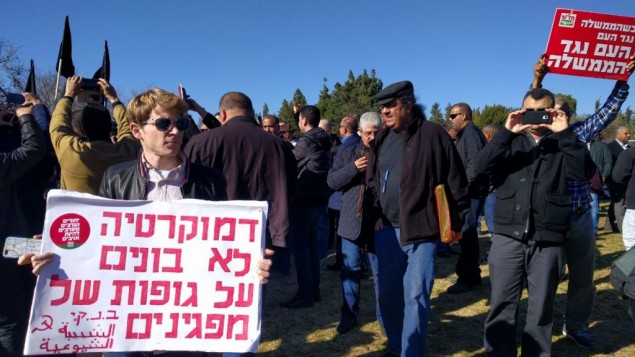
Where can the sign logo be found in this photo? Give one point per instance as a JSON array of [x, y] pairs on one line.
[[70, 231], [567, 20]]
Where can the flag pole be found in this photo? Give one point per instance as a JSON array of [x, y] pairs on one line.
[[57, 82]]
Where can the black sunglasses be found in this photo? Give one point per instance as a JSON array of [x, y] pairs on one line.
[[452, 116], [164, 124]]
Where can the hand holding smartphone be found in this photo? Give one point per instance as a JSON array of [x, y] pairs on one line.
[[14, 247]]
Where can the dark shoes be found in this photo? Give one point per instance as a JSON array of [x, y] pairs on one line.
[[460, 287], [346, 325], [296, 303], [581, 337]]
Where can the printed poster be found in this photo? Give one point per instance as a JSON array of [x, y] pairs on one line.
[[590, 44], [143, 276]]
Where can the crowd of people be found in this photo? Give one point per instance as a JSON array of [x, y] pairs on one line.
[[369, 191]]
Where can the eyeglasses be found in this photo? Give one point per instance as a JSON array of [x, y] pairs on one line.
[[389, 105], [536, 109], [452, 116], [164, 124]]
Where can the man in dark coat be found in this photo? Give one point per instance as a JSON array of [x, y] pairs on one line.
[[257, 165], [410, 157]]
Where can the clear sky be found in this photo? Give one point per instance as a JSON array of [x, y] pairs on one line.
[[479, 52]]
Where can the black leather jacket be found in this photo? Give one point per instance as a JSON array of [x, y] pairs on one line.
[[128, 181]]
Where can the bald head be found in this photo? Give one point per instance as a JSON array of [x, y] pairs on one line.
[[348, 125], [325, 124], [235, 104]]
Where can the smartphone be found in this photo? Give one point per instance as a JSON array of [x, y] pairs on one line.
[[14, 247], [536, 117]]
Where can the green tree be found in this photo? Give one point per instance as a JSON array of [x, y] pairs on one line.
[[354, 97], [285, 114], [492, 114], [435, 113], [265, 110], [324, 99], [448, 109]]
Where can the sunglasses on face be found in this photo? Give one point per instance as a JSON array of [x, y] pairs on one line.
[[452, 116], [164, 124]]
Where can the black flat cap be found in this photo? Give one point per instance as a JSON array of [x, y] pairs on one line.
[[395, 90]]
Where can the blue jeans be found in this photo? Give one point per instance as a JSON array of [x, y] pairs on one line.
[[580, 257], [406, 276], [374, 267], [305, 220], [488, 211], [595, 211], [352, 254]]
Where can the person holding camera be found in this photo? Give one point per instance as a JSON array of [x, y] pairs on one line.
[[580, 248], [81, 139], [530, 165], [16, 290]]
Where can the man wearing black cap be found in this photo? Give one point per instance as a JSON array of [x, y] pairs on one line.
[[411, 156]]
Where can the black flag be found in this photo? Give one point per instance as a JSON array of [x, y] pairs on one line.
[[104, 70], [30, 82], [65, 55]]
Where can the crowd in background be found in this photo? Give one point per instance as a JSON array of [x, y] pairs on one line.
[[367, 191]]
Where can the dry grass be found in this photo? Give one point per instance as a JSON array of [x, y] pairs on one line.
[[456, 323]]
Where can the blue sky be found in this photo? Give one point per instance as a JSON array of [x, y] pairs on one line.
[[479, 52]]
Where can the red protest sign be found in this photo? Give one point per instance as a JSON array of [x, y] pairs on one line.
[[590, 44]]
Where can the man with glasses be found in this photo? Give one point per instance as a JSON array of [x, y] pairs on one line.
[[354, 230], [409, 158], [81, 139], [162, 173], [530, 165], [469, 142]]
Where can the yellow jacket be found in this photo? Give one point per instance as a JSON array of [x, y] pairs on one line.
[[83, 162]]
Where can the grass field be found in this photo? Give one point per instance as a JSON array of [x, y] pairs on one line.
[[456, 323]]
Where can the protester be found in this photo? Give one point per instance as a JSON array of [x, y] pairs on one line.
[[82, 139], [16, 289], [257, 165], [309, 207], [529, 165], [623, 175], [407, 161], [489, 131], [347, 130], [617, 191], [469, 142], [601, 156], [161, 173], [355, 231], [580, 247]]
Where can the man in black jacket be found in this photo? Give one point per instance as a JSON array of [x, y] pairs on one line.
[[469, 142], [313, 159], [16, 289], [409, 158], [617, 207], [530, 165]]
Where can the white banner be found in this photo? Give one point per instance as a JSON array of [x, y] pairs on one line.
[[143, 276]]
